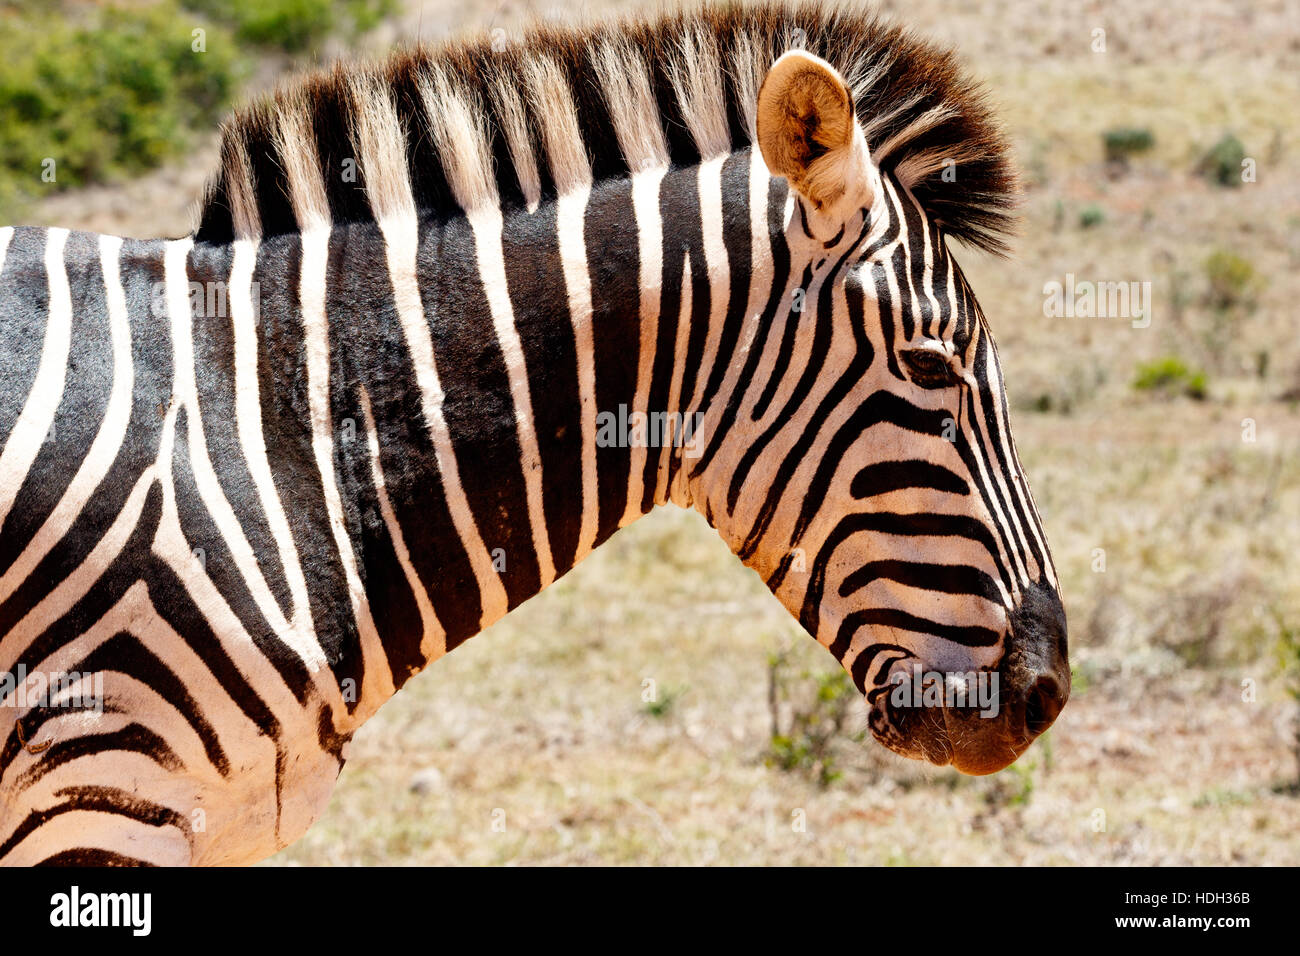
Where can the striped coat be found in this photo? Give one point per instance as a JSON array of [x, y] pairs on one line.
[[446, 325]]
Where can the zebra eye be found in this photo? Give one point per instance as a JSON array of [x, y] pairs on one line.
[[928, 368]]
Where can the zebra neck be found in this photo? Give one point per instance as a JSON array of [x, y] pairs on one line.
[[508, 391]]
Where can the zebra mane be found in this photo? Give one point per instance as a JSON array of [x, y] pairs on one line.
[[494, 119]]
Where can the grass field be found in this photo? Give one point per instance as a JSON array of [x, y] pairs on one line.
[[1165, 459]]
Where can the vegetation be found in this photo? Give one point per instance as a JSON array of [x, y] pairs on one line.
[[1091, 215], [1124, 142], [293, 25], [118, 89], [819, 705], [1171, 375], [1231, 288], [1288, 654], [662, 704], [1222, 164], [114, 93], [1232, 281]]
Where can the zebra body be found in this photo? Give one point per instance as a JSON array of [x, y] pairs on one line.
[[256, 479]]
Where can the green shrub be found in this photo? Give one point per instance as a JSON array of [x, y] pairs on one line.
[[115, 92], [1232, 281], [1091, 215], [293, 25], [1125, 141], [1288, 657], [1222, 164], [820, 706], [663, 704], [1171, 375], [89, 94]]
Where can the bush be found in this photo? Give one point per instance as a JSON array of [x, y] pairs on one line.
[[1288, 656], [1222, 164], [1124, 142], [119, 88], [1092, 215], [820, 706], [1232, 281], [114, 93], [1171, 375], [293, 25]]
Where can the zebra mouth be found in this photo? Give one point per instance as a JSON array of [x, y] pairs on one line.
[[956, 736], [946, 720], [917, 732], [982, 720]]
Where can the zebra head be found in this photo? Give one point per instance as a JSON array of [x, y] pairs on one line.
[[876, 486]]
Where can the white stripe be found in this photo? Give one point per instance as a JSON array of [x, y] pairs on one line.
[[570, 217], [650, 239], [666, 436], [43, 398], [6, 233], [433, 644], [1023, 555], [171, 546], [252, 440], [760, 287], [62, 595], [927, 270], [108, 440], [719, 278], [1006, 544], [719, 268], [487, 225], [214, 501], [401, 238], [377, 679], [1010, 555]]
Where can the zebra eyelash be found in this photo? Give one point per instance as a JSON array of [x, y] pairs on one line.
[[929, 368]]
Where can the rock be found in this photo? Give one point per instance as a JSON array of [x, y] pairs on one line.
[[428, 780]]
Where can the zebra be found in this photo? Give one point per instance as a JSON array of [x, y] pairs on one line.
[[232, 525]]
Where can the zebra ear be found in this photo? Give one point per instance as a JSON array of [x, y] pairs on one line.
[[807, 130]]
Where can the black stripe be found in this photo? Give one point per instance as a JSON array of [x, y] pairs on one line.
[[91, 856], [123, 653], [840, 389], [96, 799], [679, 209], [886, 476], [24, 314], [901, 620], [208, 270], [777, 191], [948, 578], [613, 263], [373, 354], [477, 406], [535, 278], [133, 738], [80, 412], [737, 240], [937, 525], [218, 563], [286, 425]]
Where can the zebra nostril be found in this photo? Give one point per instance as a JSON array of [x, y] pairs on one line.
[[1042, 704]]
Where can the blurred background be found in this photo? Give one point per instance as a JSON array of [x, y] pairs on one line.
[[657, 705]]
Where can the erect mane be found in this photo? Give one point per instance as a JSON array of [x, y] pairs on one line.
[[493, 119]]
